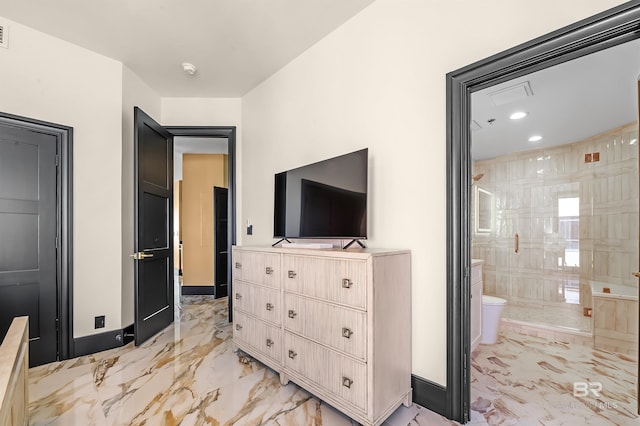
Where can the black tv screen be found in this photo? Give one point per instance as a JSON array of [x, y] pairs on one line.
[[327, 199]]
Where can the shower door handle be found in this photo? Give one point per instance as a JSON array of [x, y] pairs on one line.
[[517, 238]]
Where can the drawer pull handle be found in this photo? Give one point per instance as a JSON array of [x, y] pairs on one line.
[[238, 327], [292, 274], [238, 296], [269, 270], [269, 343], [292, 313], [292, 354], [346, 332], [347, 382], [238, 265], [346, 283], [269, 307]]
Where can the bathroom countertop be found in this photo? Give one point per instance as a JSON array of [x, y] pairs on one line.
[[475, 262]]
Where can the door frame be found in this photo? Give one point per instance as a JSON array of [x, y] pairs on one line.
[[607, 29], [228, 132], [64, 225]]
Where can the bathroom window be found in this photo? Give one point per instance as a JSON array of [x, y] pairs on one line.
[[569, 230]]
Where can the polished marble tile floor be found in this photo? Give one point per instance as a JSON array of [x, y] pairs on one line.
[[191, 374]]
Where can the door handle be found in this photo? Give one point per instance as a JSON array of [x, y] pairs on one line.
[[517, 237], [141, 255]]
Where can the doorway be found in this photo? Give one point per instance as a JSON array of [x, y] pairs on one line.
[[201, 212], [218, 134], [154, 292], [35, 233], [610, 28]]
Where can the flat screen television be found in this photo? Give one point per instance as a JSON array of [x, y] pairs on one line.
[[327, 199]]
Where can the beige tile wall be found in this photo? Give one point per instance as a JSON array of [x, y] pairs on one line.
[[526, 187]]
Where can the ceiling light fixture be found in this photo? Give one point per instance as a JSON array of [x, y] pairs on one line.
[[189, 68], [518, 115], [535, 138]]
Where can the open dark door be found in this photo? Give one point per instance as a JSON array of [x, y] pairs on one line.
[[220, 246], [153, 227]]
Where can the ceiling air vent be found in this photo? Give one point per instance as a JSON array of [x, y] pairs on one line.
[[4, 35], [510, 94]]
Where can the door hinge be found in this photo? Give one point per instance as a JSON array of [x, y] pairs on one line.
[[57, 160], [56, 242]]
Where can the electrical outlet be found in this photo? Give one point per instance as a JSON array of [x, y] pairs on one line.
[[99, 322]]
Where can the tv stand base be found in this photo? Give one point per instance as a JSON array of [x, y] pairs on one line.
[[351, 243], [279, 241]]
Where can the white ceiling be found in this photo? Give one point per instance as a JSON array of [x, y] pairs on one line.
[[571, 102], [200, 145], [235, 44]]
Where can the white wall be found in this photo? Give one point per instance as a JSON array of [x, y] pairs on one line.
[[135, 92], [201, 111], [48, 79], [379, 81]]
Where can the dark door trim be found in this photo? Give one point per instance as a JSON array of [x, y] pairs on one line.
[[220, 247], [607, 29], [64, 204], [228, 132]]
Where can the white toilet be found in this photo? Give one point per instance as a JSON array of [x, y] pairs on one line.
[[491, 312]]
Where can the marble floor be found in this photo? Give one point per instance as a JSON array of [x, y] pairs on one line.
[[191, 374]]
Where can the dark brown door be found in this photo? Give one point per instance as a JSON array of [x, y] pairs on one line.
[[28, 231], [220, 215], [154, 298]]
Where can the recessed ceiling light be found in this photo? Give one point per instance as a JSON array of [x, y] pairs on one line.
[[535, 138], [518, 115]]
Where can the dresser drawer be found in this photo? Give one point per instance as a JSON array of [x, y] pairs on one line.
[[341, 328], [340, 375], [257, 267], [340, 281], [262, 302], [264, 337]]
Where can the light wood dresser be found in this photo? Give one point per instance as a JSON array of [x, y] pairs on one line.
[[336, 322]]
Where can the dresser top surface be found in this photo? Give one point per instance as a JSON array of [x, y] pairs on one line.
[[330, 252]]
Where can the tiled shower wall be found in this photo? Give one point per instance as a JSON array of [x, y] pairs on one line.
[[525, 189]]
